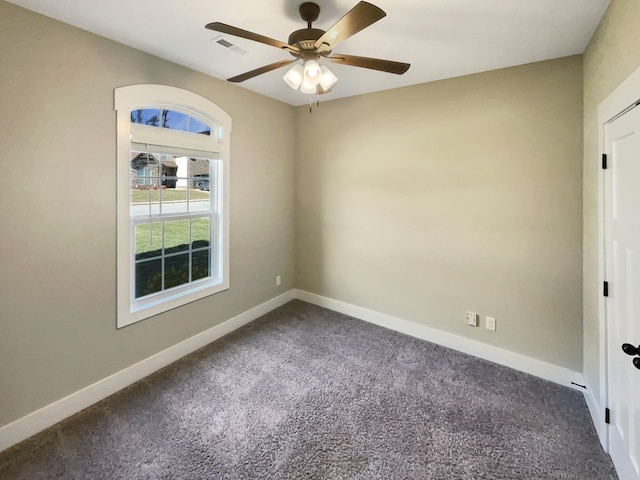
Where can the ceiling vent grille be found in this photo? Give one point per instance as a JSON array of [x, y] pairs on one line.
[[220, 40]]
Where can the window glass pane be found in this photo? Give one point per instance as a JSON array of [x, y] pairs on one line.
[[201, 182], [200, 232], [176, 236], [174, 200], [148, 240], [199, 167], [144, 200], [196, 126], [144, 174], [199, 171], [174, 120], [169, 171], [168, 182], [201, 267], [176, 270], [146, 117], [144, 169], [148, 277], [200, 197]]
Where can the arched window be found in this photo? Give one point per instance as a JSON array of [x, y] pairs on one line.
[[173, 190]]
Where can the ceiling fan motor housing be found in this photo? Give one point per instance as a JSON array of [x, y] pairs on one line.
[[305, 38]]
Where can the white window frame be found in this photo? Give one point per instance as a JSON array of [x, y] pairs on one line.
[[218, 144]]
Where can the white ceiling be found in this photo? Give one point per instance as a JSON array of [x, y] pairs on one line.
[[439, 38]]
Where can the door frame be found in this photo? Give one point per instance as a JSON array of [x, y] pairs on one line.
[[625, 96]]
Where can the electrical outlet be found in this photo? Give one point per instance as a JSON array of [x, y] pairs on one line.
[[490, 323], [278, 280], [472, 319]]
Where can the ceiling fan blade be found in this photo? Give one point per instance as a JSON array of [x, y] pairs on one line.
[[260, 71], [238, 32], [356, 19], [373, 63]]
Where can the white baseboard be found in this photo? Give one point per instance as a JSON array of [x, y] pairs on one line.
[[48, 416], [596, 410], [538, 368]]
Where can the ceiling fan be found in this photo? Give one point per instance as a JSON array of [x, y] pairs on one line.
[[311, 44]]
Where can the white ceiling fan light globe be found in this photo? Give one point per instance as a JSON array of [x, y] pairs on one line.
[[308, 88], [294, 76], [327, 78], [312, 72]]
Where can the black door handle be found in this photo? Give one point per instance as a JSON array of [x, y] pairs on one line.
[[634, 352], [630, 349]]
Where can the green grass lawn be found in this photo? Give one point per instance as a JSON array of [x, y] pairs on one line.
[[168, 195], [176, 233]]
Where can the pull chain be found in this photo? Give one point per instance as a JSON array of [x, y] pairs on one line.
[[311, 101]]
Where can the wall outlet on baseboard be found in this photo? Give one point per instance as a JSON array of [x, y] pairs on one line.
[[472, 319], [490, 323], [278, 280]]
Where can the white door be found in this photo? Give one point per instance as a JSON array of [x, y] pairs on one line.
[[622, 213]]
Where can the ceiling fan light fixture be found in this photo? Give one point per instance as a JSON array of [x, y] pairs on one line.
[[308, 45], [294, 77], [308, 88], [312, 72], [327, 78]]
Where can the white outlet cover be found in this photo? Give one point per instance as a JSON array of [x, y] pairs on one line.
[[472, 319], [490, 323]]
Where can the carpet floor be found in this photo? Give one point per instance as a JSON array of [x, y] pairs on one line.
[[307, 393]]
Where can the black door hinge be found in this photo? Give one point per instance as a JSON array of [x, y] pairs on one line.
[[605, 289], [604, 161], [607, 415]]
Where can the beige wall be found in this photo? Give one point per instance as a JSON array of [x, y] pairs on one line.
[[58, 212], [463, 194], [612, 55]]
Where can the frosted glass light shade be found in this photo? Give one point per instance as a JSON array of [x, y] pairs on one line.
[[327, 78], [294, 76], [308, 88], [312, 72]]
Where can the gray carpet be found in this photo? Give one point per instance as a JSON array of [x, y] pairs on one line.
[[306, 393]]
